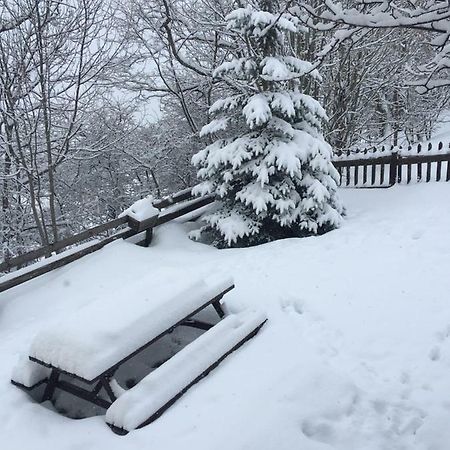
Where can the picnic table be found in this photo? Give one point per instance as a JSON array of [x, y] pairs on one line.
[[81, 354]]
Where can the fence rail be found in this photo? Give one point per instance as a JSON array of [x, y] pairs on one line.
[[384, 168], [173, 206]]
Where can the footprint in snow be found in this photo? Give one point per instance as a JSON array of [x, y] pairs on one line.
[[330, 426], [405, 377], [443, 334], [319, 431], [417, 235], [435, 353], [292, 305]]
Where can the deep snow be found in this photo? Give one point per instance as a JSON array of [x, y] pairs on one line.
[[355, 356]]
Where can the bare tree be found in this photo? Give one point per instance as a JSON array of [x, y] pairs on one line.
[[50, 68]]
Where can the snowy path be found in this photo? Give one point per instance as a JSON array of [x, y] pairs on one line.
[[356, 354]]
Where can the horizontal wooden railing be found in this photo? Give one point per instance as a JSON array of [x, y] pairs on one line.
[[173, 206], [57, 246]]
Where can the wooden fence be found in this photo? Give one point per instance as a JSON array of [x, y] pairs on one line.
[[386, 167], [368, 168], [171, 207]]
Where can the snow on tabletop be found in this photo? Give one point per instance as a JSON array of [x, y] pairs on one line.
[[141, 210], [156, 389], [28, 373], [101, 334]]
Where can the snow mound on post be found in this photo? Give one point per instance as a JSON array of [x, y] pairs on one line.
[[103, 333], [141, 210], [139, 403]]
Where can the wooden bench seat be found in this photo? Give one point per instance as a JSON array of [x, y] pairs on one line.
[[146, 401]]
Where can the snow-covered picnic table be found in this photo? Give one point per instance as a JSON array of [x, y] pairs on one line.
[[93, 343], [100, 336]]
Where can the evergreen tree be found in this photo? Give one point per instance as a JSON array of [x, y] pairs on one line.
[[271, 174]]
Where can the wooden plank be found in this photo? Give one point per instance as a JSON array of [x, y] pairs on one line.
[[169, 200], [139, 226], [15, 281], [362, 162], [192, 206], [364, 175], [428, 172], [419, 164], [415, 159], [394, 173], [49, 249], [356, 169], [374, 172], [439, 163]]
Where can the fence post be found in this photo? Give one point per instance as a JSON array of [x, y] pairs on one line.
[[393, 169]]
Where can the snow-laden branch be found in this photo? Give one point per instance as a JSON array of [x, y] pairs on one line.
[[432, 17]]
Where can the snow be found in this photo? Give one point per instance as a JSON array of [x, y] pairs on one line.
[[419, 149], [257, 111], [355, 355], [141, 210], [214, 126], [284, 68], [28, 373], [102, 333], [156, 389], [261, 21]]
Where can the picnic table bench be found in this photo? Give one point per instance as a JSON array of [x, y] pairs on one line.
[[81, 354]]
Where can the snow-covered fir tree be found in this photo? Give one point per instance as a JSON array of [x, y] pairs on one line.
[[269, 167]]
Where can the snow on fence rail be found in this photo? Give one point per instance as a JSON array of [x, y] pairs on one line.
[[171, 207], [386, 167]]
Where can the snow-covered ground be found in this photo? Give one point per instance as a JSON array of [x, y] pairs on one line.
[[355, 356]]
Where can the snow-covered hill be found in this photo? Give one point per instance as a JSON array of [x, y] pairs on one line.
[[356, 354]]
